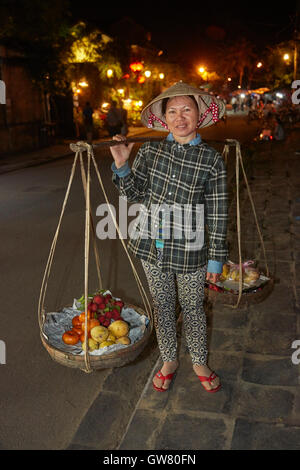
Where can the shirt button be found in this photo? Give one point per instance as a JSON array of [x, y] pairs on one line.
[[173, 176], [170, 194]]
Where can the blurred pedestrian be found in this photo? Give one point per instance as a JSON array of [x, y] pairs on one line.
[[114, 119], [249, 102], [78, 118], [124, 128], [178, 169], [88, 121], [279, 133], [234, 104], [254, 103]]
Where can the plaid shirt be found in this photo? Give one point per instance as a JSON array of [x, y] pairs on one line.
[[183, 176]]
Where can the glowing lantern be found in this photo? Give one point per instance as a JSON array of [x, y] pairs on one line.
[[141, 79], [109, 73], [136, 66]]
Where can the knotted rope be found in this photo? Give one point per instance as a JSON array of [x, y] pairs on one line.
[[239, 161]]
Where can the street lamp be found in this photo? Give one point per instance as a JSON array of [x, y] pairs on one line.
[[109, 73], [259, 65], [287, 59]]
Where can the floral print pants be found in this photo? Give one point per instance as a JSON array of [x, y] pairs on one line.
[[190, 295]]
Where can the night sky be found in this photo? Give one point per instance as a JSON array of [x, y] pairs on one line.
[[181, 27]]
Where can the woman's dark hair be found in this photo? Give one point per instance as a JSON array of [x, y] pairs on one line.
[[165, 101]]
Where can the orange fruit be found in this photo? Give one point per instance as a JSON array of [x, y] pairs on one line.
[[90, 324], [82, 316], [76, 321], [82, 336], [78, 329], [70, 337]]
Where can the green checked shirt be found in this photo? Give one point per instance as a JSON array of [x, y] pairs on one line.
[[181, 188]]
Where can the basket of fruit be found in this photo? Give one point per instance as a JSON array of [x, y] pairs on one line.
[[116, 332], [98, 331], [240, 285]]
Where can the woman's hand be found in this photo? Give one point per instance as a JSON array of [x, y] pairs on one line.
[[213, 277], [121, 152]]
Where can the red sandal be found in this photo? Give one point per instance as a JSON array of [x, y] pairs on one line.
[[209, 379], [160, 376]]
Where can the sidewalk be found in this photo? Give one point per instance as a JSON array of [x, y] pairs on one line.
[[250, 348], [21, 160]]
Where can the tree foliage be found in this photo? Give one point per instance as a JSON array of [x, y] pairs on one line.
[[40, 31]]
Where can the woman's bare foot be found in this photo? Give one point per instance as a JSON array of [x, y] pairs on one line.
[[167, 368], [205, 371]]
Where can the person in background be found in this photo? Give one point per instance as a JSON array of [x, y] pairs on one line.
[[124, 128], [114, 119], [278, 132], [234, 104], [88, 121]]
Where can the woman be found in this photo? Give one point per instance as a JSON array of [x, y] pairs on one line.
[[184, 173]]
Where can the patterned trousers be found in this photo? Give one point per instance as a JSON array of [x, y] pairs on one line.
[[190, 295]]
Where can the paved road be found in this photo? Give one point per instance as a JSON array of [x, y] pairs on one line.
[[42, 403]]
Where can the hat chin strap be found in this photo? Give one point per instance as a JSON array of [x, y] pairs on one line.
[[213, 108]]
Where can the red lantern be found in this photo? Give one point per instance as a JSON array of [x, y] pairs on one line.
[[136, 66], [141, 79]]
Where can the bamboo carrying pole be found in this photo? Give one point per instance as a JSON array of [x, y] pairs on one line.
[[112, 143]]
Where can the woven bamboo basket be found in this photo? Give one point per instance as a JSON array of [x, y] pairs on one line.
[[241, 298], [246, 299], [89, 362], [105, 361]]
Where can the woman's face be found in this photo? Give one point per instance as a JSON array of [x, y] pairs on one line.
[[182, 117]]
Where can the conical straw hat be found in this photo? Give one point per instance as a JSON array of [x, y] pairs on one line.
[[211, 108]]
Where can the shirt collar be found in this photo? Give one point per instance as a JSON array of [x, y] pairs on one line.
[[197, 140]]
